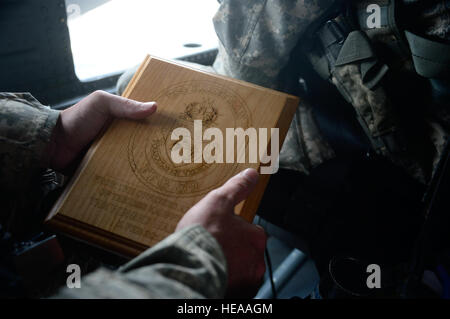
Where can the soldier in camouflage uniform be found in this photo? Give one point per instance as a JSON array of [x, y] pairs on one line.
[[258, 43], [394, 73], [202, 259], [259, 40], [389, 59]]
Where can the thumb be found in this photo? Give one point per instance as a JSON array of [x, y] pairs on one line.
[[120, 107], [239, 187]]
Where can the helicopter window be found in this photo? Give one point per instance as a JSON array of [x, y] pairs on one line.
[[110, 36]]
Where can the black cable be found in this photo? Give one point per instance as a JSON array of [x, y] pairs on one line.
[[269, 267]]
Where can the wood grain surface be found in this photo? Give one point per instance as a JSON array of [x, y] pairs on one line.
[[128, 194]]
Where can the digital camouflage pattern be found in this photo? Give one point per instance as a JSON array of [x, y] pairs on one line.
[[431, 17], [374, 109], [25, 130], [256, 39], [187, 264], [304, 147], [256, 42]]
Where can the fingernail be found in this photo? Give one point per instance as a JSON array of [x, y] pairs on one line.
[[149, 106], [250, 174]]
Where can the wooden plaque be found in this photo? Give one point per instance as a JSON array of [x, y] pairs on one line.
[[127, 193]]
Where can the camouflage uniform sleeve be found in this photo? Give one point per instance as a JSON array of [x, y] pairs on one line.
[[25, 130], [187, 264], [430, 18], [257, 36], [256, 41]]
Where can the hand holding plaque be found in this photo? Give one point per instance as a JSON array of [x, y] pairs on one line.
[[131, 189], [78, 125], [242, 243]]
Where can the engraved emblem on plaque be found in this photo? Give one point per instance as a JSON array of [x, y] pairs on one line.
[[149, 156]]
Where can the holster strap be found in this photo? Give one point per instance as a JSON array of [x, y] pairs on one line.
[[431, 58]]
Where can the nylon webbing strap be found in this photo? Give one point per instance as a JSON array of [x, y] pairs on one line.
[[332, 36], [431, 58], [343, 45], [357, 49]]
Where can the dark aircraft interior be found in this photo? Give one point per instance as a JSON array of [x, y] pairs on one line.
[[323, 228]]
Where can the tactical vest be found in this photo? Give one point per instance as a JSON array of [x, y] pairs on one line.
[[354, 48]]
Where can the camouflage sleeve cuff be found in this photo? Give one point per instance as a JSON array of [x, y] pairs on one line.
[[187, 264], [25, 130]]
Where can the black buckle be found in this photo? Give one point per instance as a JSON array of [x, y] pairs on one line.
[[332, 33]]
